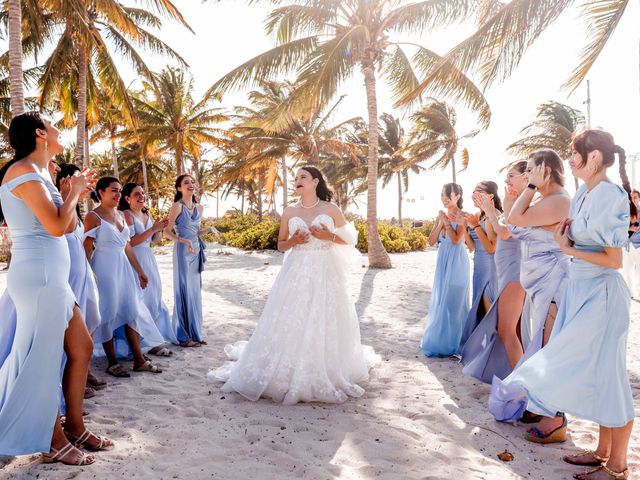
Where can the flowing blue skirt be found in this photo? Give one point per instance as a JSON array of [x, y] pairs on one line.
[[152, 295], [449, 302], [187, 284]]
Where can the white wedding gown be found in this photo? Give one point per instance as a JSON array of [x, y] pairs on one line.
[[306, 346]]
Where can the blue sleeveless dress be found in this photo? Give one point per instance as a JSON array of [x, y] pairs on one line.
[[38, 283], [484, 283], [583, 369], [120, 292], [152, 295], [449, 299], [82, 281], [187, 281], [484, 355]]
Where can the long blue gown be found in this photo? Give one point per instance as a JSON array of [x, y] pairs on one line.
[[484, 355], [152, 295], [187, 281], [583, 370], [449, 299], [120, 293], [82, 281], [38, 283], [484, 283]]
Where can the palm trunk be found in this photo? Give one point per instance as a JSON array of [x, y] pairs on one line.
[[86, 146], [259, 197], [218, 202], [83, 67], [114, 158], [399, 198], [378, 257], [453, 169], [179, 158], [145, 180], [16, 88], [242, 198], [285, 193]]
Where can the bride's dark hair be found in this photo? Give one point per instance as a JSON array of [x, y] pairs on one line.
[[322, 189]]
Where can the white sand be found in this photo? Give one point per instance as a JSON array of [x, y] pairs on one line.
[[419, 419]]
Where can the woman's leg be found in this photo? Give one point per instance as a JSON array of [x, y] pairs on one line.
[[619, 447], [510, 304], [133, 339], [110, 352], [78, 347], [549, 322]]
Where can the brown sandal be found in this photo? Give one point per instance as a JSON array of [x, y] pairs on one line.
[[117, 371], [595, 461], [147, 367], [623, 475]]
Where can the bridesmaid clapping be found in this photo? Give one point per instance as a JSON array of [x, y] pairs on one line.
[[144, 230], [450, 293]]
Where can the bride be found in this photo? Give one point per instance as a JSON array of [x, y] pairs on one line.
[[306, 346]]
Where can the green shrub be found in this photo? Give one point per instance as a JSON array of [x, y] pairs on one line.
[[245, 232]]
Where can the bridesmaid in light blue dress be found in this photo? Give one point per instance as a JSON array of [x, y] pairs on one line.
[[143, 231], [582, 371], [494, 348], [544, 267], [481, 239], [49, 324], [126, 325], [188, 261], [449, 304]]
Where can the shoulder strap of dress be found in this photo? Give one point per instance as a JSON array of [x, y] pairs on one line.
[[24, 178]]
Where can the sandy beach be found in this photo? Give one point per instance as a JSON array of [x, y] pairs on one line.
[[419, 418]]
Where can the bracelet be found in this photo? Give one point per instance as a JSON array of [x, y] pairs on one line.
[[476, 226], [532, 186]]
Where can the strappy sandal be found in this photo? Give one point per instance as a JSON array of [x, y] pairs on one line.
[[117, 371], [557, 435], [148, 367], [623, 475], [59, 456], [595, 461], [104, 443], [190, 344], [89, 392]]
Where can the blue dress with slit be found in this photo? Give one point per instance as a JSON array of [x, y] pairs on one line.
[[38, 283]]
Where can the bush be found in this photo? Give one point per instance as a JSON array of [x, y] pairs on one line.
[[245, 232]]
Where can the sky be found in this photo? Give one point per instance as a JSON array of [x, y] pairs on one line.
[[230, 32]]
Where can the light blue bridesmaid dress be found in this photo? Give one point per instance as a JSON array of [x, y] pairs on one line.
[[82, 281], [583, 369], [187, 281], [485, 283], [449, 299], [119, 291], [484, 355], [38, 283], [152, 295]]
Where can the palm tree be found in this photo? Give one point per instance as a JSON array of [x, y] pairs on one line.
[[171, 119], [82, 56], [308, 136], [510, 28], [434, 136], [326, 41], [395, 160], [108, 126], [553, 127], [15, 57]]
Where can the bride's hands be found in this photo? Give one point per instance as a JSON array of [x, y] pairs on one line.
[[321, 232], [299, 237]]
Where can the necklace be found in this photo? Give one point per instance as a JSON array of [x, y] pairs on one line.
[[310, 206]]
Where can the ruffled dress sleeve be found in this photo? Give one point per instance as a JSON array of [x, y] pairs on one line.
[[607, 217]]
